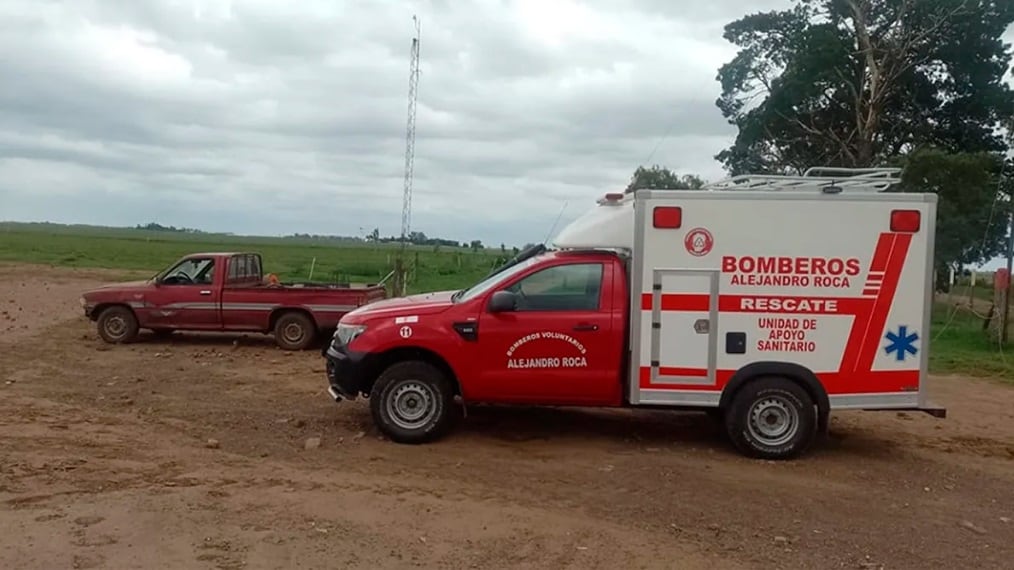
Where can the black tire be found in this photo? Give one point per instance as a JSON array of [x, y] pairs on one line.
[[117, 325], [772, 418], [294, 331], [398, 393]]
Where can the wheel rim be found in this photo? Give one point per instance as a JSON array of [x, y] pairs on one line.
[[411, 405], [773, 421], [116, 326], [292, 333]]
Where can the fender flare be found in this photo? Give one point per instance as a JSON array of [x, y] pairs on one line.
[[795, 372], [99, 308], [379, 360]]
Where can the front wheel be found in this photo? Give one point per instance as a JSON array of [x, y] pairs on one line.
[[117, 325], [412, 402], [772, 418]]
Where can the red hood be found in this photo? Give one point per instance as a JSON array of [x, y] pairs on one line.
[[422, 304], [126, 285]]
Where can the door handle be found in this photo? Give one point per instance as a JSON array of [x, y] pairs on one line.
[[586, 327], [205, 292]]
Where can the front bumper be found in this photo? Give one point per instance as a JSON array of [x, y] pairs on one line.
[[346, 370]]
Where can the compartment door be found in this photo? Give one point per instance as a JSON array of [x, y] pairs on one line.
[[684, 329]]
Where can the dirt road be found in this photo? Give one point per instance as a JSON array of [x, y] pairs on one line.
[[192, 453]]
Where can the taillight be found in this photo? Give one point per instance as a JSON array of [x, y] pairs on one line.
[[905, 221], [667, 217]]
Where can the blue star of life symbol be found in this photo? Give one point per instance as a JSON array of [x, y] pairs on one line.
[[901, 344]]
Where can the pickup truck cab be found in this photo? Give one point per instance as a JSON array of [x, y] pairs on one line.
[[224, 292], [477, 343]]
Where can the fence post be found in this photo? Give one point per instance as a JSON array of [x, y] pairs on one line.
[[1001, 303]]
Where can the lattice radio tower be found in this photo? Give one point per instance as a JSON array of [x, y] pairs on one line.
[[406, 206]]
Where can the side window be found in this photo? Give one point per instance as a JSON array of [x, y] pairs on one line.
[[573, 287], [190, 272], [255, 267], [207, 275], [233, 269]]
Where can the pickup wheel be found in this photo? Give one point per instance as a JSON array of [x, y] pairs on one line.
[[772, 418], [294, 331], [412, 402], [117, 325]]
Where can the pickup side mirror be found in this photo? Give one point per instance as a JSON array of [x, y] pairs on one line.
[[502, 301]]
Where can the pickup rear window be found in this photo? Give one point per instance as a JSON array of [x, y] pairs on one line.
[[244, 270]]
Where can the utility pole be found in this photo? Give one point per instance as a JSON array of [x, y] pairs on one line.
[[400, 271], [1008, 182], [1005, 310]]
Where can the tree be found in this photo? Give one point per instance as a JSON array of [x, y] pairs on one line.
[[374, 236], [853, 82], [661, 178], [476, 245], [971, 209]]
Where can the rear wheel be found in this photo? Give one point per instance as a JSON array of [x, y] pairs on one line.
[[294, 331], [117, 325], [772, 418], [412, 402]]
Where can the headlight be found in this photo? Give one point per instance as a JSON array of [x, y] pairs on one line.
[[345, 334]]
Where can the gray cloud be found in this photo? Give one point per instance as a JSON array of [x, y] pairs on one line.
[[261, 117]]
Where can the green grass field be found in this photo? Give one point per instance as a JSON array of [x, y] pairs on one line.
[[289, 258], [959, 344]]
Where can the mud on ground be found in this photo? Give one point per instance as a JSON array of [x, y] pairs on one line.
[[191, 453]]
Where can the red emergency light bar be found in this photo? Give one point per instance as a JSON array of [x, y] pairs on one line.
[[611, 199], [905, 221]]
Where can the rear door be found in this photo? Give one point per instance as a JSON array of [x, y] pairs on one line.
[[558, 346]]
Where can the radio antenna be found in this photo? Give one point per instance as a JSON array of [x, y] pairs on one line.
[[401, 272], [553, 227]]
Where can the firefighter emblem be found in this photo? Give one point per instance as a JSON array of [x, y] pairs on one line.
[[699, 242]]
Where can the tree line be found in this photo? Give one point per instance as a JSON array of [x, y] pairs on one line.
[[916, 84]]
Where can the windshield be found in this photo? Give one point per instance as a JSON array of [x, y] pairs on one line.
[[491, 281]]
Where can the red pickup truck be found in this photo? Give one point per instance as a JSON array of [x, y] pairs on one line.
[[223, 292]]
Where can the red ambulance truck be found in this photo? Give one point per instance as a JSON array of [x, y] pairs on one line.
[[766, 300]]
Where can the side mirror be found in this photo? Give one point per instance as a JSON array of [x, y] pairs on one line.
[[502, 301]]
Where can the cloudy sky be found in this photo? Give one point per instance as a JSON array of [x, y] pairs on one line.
[[259, 116]]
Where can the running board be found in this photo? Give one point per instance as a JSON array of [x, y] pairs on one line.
[[931, 409]]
